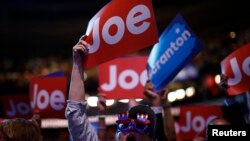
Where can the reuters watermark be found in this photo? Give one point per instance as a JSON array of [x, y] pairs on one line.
[[241, 132]]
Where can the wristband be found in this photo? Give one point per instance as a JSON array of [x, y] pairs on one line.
[[101, 116], [157, 109], [101, 128]]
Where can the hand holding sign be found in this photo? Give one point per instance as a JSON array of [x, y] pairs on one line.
[[236, 69], [177, 46], [132, 28]]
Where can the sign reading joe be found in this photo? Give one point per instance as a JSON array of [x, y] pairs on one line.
[[119, 28], [123, 78], [177, 46], [48, 96], [236, 68]]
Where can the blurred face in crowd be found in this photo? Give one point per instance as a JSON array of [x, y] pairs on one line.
[[130, 129], [138, 124], [131, 136]]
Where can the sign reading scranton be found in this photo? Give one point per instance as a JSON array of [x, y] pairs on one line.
[[173, 48], [177, 46]]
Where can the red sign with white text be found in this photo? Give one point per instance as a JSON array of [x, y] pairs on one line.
[[193, 120], [236, 67], [123, 78], [119, 28], [16, 106], [48, 96]]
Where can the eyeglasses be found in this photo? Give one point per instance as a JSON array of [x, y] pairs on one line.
[[139, 125]]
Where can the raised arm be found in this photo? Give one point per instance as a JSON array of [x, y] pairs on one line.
[[168, 118], [165, 121], [78, 124], [155, 103], [77, 89]]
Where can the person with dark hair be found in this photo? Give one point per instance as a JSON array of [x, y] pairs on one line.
[[219, 121], [20, 129], [214, 121], [139, 119], [236, 111], [136, 125], [162, 108]]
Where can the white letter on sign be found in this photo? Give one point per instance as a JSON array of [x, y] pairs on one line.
[[134, 79], [57, 100], [132, 19], [246, 66], [96, 39], [236, 71], [112, 78], [118, 22]]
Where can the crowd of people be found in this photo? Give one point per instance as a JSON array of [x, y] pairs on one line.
[[140, 122], [152, 122], [20, 129]]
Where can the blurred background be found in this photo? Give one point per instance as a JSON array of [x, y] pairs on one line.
[[37, 37]]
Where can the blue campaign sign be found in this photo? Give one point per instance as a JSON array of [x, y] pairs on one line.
[[177, 46], [55, 74]]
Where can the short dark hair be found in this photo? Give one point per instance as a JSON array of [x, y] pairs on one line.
[[20, 129]]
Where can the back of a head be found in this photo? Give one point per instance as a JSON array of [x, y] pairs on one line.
[[216, 121], [20, 130], [144, 109], [219, 121]]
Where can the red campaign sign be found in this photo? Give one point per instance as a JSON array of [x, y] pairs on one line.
[[236, 67], [193, 120], [16, 106], [123, 78], [48, 96], [119, 28]]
